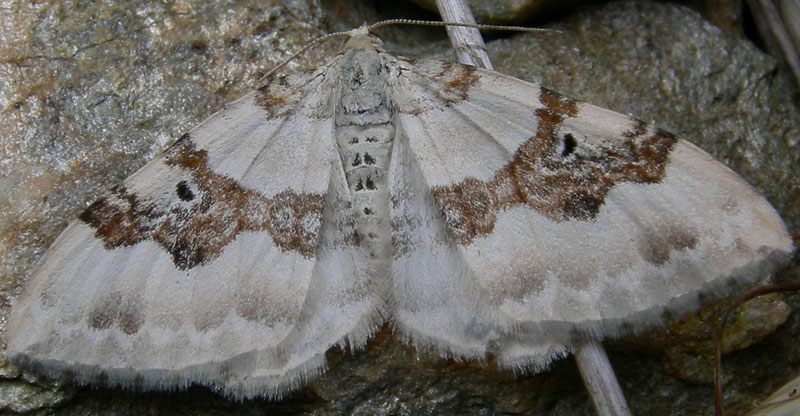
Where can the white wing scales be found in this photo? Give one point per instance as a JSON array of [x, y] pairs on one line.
[[569, 220], [434, 294], [520, 220], [204, 265]]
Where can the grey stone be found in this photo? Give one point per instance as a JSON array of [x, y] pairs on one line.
[[505, 11]]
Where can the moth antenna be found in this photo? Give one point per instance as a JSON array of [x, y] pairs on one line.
[[389, 22], [306, 47], [444, 24]]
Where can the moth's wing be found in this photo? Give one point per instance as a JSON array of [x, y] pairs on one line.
[[433, 292], [556, 219], [437, 301], [206, 266]]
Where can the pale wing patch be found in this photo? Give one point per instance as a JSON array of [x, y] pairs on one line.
[[279, 135], [451, 151], [143, 315]]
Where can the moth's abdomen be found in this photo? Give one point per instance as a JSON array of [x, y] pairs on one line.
[[365, 152], [364, 136]]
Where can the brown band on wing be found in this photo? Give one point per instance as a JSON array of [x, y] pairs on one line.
[[553, 175], [206, 213]]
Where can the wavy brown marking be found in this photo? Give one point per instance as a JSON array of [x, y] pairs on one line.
[[281, 96], [449, 81], [458, 80], [662, 241], [206, 213], [554, 175], [114, 308]]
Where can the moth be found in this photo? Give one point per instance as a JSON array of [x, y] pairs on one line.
[[474, 212]]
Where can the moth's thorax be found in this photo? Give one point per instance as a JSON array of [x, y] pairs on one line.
[[364, 136]]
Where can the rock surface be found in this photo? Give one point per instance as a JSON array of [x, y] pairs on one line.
[[504, 11]]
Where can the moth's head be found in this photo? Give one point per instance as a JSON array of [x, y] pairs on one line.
[[360, 38]]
